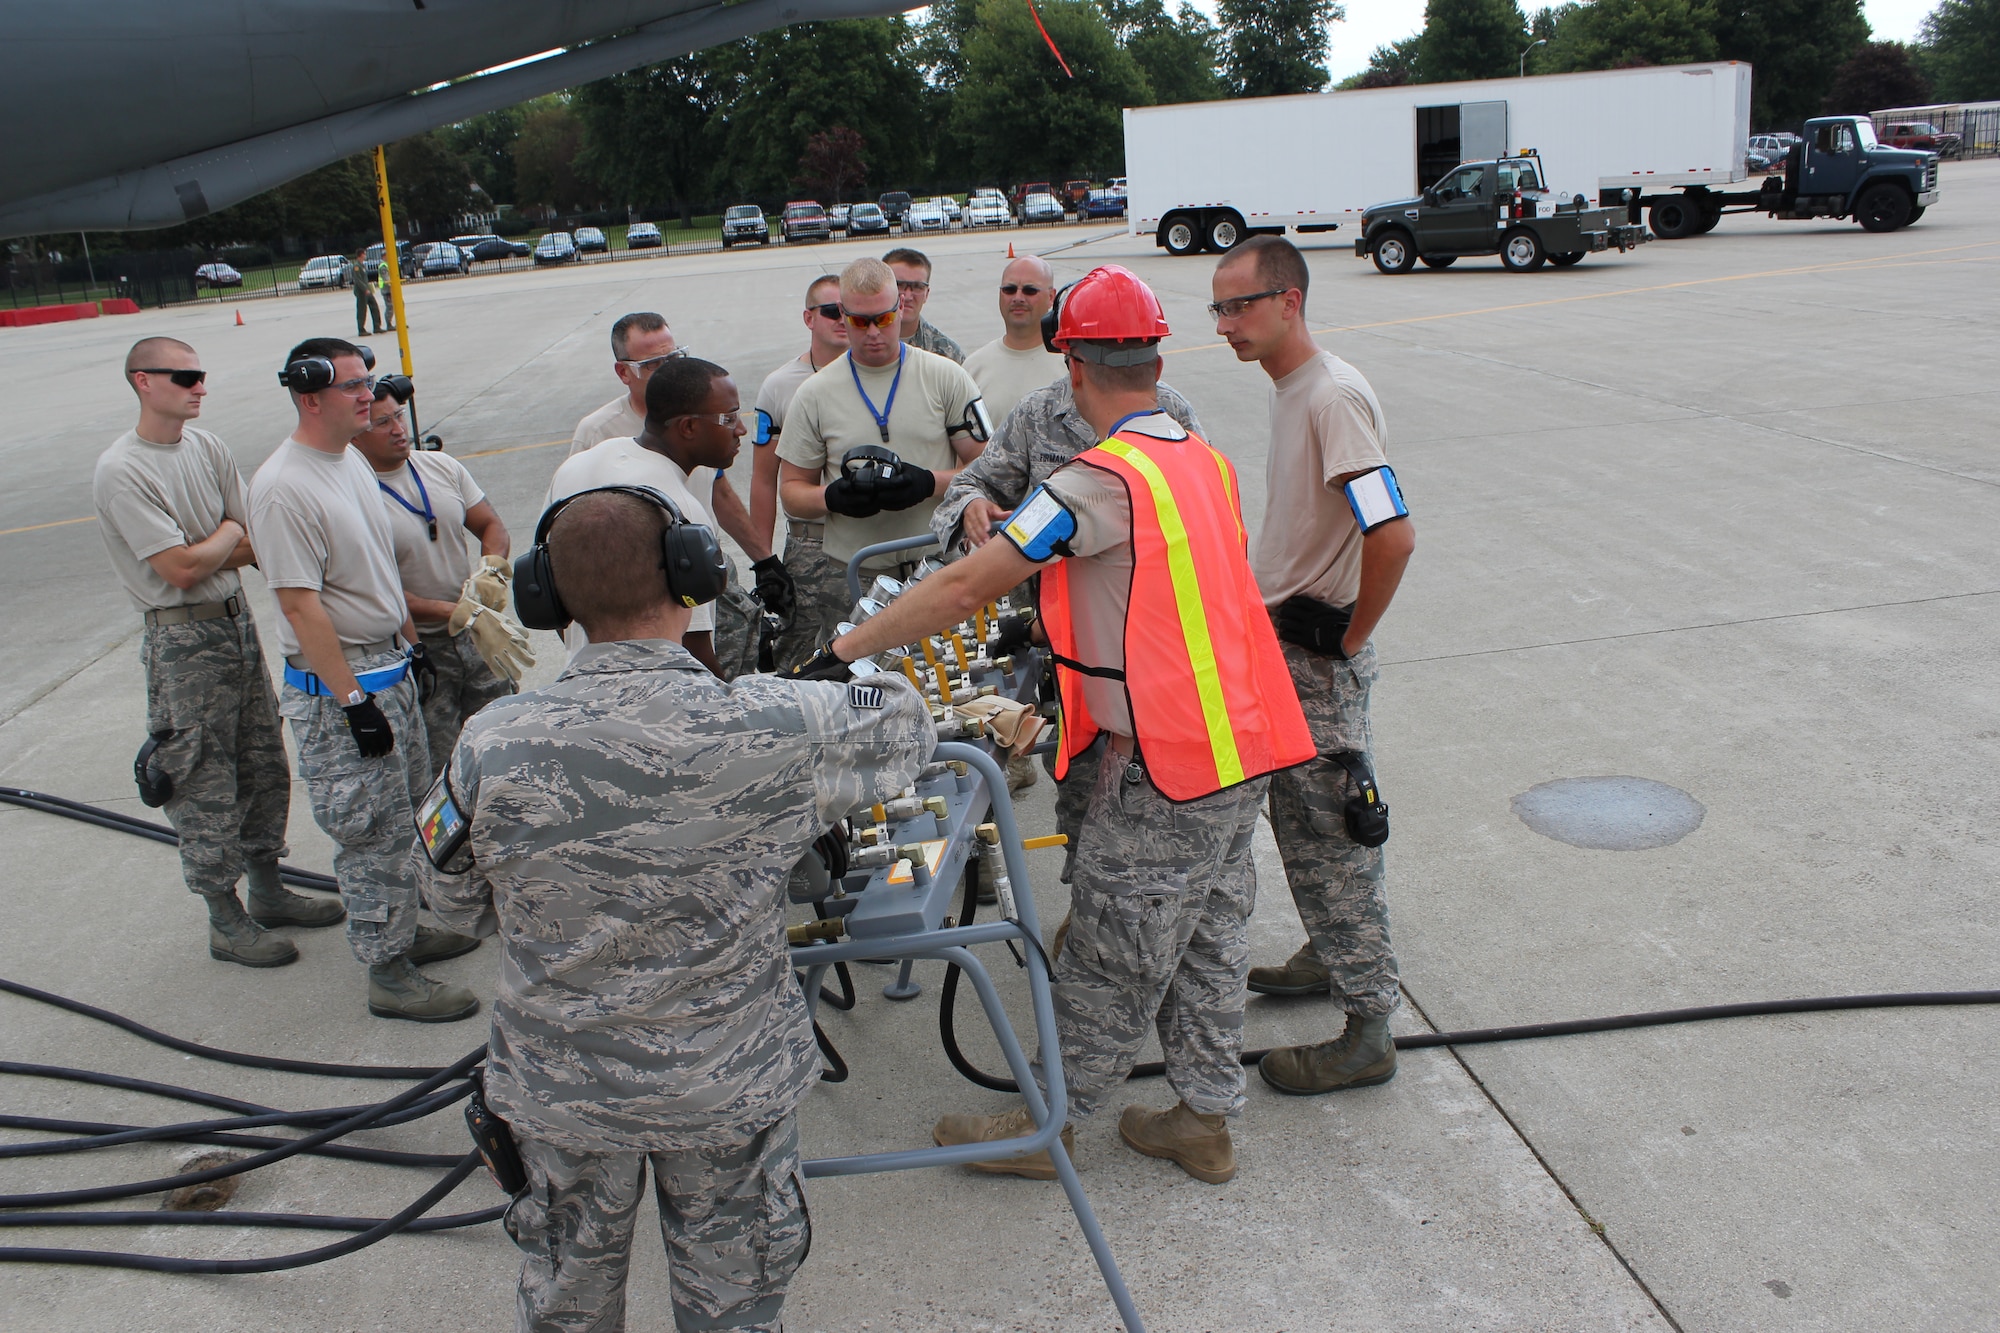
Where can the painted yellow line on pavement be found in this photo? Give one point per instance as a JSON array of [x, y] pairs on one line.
[[510, 449], [59, 523], [1842, 265]]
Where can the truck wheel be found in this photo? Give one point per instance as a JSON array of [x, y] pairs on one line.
[[1673, 219], [1179, 234], [1569, 260], [1883, 208], [1224, 233], [1521, 251], [1915, 213], [1710, 211], [1438, 261], [1394, 252]]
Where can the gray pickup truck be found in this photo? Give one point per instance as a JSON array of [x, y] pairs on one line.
[[1502, 207]]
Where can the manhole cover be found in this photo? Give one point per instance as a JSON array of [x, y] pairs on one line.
[[1610, 814]]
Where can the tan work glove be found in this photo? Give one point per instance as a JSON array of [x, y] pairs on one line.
[[1014, 726], [491, 581], [502, 643]]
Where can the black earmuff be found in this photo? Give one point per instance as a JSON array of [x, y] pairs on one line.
[[696, 569], [1366, 813], [1052, 320], [156, 788], [307, 375]]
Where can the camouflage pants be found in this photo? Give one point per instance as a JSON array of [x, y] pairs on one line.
[[1337, 883], [366, 806], [206, 683], [465, 684], [1073, 799], [1159, 938], [739, 622], [733, 1219], [822, 595]]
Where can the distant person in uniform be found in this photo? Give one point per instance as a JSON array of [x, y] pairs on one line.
[[913, 288], [174, 516], [366, 307], [632, 829]]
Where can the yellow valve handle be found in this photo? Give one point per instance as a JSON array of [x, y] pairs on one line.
[[958, 646], [1046, 840]]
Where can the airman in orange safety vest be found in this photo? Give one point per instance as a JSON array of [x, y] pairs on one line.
[[1168, 666]]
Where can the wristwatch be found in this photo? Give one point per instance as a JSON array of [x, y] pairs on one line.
[[355, 700]]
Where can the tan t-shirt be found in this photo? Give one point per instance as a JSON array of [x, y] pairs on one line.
[[1325, 423], [319, 521], [828, 417], [774, 396], [1100, 573], [624, 463], [434, 568], [1005, 375], [153, 497], [616, 420]]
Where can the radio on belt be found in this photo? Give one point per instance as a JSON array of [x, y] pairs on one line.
[[1376, 499]]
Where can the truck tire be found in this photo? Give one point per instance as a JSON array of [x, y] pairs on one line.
[[1710, 214], [1915, 213], [1180, 233], [1394, 251], [1521, 251], [1438, 261], [1883, 207], [1224, 233], [1569, 260], [1672, 219]]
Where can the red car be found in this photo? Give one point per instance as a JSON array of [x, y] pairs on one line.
[[1922, 135]]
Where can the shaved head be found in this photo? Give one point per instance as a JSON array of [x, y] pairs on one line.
[[1278, 263], [170, 352], [1029, 268], [607, 554]]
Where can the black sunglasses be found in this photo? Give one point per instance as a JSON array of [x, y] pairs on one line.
[[1026, 289], [185, 379], [831, 311]]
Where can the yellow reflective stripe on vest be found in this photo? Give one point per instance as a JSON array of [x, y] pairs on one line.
[[1193, 614], [1229, 491]]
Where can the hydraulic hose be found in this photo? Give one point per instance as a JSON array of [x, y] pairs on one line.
[[106, 1135], [280, 1221], [111, 819]]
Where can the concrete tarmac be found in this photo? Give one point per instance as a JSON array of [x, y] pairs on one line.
[[1718, 514]]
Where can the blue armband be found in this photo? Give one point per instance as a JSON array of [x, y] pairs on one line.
[[762, 435], [1376, 499], [1041, 527]]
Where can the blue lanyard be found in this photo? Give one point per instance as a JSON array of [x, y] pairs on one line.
[[1120, 425], [429, 518], [881, 417]]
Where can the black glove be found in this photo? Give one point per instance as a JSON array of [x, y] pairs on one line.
[[371, 730], [1014, 633], [852, 499], [775, 587], [912, 485], [1313, 625], [425, 671], [822, 665]]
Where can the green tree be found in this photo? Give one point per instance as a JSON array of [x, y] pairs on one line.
[[1471, 39], [790, 83], [1618, 34], [1961, 50], [939, 46], [650, 136], [831, 164], [1878, 74], [1177, 53], [429, 184], [546, 169], [1389, 66], [1276, 46], [1793, 48], [486, 144], [1019, 116]]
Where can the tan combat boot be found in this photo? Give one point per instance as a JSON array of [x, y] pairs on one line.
[[272, 904], [434, 946], [1015, 1124], [397, 990], [1199, 1144], [234, 938], [1301, 974], [1360, 1057]]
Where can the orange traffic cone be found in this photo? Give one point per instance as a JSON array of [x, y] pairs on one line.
[[239, 319], [1010, 255]]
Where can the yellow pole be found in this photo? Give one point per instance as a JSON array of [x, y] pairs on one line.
[[391, 264]]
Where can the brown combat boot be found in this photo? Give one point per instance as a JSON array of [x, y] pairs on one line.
[[1301, 974], [1199, 1144], [234, 938], [397, 990], [272, 904], [1015, 1124], [1360, 1057], [434, 946]]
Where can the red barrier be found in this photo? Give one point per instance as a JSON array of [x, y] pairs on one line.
[[119, 305], [45, 314]]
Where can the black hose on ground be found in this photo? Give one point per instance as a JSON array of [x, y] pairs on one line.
[[111, 819]]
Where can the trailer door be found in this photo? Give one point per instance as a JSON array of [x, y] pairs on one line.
[[1463, 132], [1482, 130]]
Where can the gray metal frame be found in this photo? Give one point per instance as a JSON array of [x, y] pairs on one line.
[[881, 548]]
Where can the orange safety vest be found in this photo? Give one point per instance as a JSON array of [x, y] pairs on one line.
[[1211, 697]]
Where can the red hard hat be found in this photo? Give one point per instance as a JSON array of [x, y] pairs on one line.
[[1109, 304]]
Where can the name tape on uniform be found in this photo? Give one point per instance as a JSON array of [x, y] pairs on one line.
[[1041, 526], [1376, 499]]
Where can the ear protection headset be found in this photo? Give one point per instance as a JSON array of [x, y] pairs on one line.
[[1366, 813], [310, 374], [1052, 319], [156, 788], [696, 569]]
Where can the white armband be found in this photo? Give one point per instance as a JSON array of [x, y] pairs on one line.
[[1376, 499]]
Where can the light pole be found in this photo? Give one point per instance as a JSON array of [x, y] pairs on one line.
[[1540, 41]]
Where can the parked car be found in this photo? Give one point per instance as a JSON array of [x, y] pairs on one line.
[[1757, 161], [1075, 192], [1040, 208], [1101, 204], [589, 240], [216, 275], [1922, 135], [324, 271], [836, 217], [987, 208], [438, 259], [479, 249], [894, 203], [1019, 195], [950, 207], [804, 220], [745, 222], [924, 216], [867, 219], [643, 236], [1773, 146], [558, 247], [371, 259], [1116, 185]]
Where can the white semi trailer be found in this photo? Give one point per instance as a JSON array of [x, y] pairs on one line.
[[1203, 175]]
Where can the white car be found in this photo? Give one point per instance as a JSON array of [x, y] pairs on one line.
[[323, 271], [924, 215], [950, 207], [987, 210], [1116, 185]]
